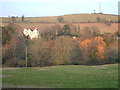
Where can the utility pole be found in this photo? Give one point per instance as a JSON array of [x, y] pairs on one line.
[[26, 56], [26, 52]]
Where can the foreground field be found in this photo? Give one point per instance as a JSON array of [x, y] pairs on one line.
[[67, 76]]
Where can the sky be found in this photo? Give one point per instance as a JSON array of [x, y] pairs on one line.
[[41, 8]]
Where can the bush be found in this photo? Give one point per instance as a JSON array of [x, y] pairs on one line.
[[95, 30], [66, 29], [7, 34], [13, 62], [22, 63], [75, 63], [112, 53], [108, 23], [60, 19], [117, 33], [98, 19], [86, 33]]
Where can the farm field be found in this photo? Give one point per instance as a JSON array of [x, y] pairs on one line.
[[43, 23], [42, 26], [62, 76], [67, 18]]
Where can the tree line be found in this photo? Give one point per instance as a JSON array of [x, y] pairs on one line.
[[58, 47]]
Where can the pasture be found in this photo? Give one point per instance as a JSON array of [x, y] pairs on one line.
[[75, 18], [83, 20], [44, 26], [62, 76]]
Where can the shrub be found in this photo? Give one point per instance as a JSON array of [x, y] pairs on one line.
[[117, 33], [112, 53], [108, 23], [75, 63], [7, 34], [60, 19], [95, 31], [86, 33], [66, 29], [22, 63], [98, 19], [13, 62]]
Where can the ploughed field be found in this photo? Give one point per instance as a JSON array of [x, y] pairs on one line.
[[62, 76]]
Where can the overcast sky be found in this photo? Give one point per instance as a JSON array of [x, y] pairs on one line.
[[36, 8]]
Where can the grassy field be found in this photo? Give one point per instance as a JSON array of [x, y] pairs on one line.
[[44, 26], [63, 76], [43, 23], [76, 18]]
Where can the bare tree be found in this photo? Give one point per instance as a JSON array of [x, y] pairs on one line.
[[23, 17], [13, 18], [60, 19]]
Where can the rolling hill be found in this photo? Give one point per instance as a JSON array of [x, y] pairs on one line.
[[43, 23], [72, 18]]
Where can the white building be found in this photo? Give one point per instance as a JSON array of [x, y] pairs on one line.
[[32, 34]]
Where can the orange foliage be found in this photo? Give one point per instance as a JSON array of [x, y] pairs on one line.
[[99, 40], [100, 46], [101, 51], [89, 45], [86, 49], [86, 43]]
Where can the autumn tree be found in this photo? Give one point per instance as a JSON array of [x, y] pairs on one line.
[[86, 47], [55, 31], [101, 45], [7, 34], [13, 52], [108, 38], [111, 54], [13, 18], [23, 18], [98, 19], [66, 29], [65, 51], [75, 30], [117, 33], [86, 33], [93, 50], [95, 30], [78, 30], [40, 52]]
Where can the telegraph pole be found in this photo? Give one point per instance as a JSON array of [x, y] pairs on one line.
[[26, 52], [26, 56]]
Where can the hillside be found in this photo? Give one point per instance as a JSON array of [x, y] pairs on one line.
[[74, 18]]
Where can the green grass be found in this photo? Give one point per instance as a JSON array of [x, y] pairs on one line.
[[63, 76]]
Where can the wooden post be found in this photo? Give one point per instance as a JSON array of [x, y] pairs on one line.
[[26, 56]]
